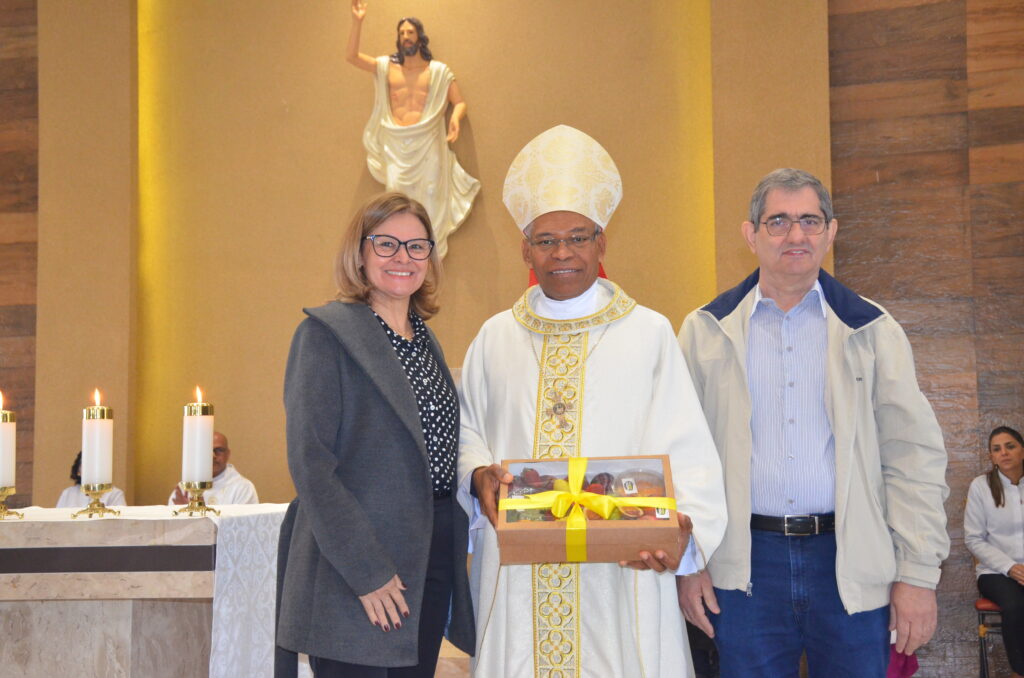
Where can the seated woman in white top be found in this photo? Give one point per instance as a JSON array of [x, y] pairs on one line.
[[74, 497], [994, 533]]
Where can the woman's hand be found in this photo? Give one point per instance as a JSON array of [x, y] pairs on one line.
[[386, 606]]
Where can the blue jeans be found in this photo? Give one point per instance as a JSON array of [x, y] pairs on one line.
[[794, 606]]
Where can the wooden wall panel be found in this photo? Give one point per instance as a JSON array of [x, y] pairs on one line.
[[887, 136], [1002, 50], [997, 164], [19, 170], [859, 6], [995, 126], [996, 212], [919, 170], [928, 179], [995, 67], [891, 100], [928, 25], [996, 88]]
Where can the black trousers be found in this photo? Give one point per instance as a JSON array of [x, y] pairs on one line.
[[1009, 596], [437, 593]]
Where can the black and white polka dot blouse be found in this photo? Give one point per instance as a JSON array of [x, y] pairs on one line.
[[436, 399]]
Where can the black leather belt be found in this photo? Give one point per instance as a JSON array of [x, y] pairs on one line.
[[795, 526]]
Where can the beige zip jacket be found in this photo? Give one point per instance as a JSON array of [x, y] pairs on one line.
[[890, 457]]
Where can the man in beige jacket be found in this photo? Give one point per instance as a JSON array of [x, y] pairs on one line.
[[833, 459]]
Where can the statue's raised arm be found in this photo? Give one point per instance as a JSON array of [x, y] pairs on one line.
[[353, 55]]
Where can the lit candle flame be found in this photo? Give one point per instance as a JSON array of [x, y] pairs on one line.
[[96, 397], [1, 400], [199, 395]]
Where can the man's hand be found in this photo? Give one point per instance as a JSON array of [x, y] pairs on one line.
[[358, 9], [1016, 573], [386, 606], [913, 613], [659, 561], [486, 481], [180, 496], [695, 591]]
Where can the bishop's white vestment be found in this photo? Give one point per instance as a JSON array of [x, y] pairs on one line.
[[612, 382], [416, 159]]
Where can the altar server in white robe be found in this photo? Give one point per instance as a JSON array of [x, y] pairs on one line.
[[75, 497], [577, 368], [229, 486]]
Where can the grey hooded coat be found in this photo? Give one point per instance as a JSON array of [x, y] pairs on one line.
[[364, 509]]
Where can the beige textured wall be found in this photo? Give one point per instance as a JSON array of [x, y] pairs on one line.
[[771, 109], [251, 162], [85, 313]]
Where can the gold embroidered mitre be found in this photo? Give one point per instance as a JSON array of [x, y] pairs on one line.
[[562, 169]]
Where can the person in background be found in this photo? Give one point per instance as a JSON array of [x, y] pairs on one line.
[[229, 486], [74, 497], [994, 534]]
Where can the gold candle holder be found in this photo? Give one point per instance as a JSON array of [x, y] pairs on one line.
[[97, 412], [4, 511], [198, 410], [196, 504], [96, 507]]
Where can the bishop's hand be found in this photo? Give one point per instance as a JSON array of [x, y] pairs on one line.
[[486, 481], [659, 560]]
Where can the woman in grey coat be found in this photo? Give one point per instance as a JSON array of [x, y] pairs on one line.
[[376, 552]]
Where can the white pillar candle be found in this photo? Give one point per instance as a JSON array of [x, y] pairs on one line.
[[197, 442], [7, 445], [97, 444]]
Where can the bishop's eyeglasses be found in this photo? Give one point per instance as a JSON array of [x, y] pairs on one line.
[[576, 242], [779, 225], [388, 246]]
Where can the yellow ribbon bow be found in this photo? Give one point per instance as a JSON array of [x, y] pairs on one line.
[[573, 501]]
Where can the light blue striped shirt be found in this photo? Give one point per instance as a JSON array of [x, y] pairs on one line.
[[792, 463]]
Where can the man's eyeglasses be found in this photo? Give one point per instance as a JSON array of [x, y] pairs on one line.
[[576, 242], [780, 225], [388, 246]]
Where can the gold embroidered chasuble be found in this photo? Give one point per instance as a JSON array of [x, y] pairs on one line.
[[562, 362], [609, 384]]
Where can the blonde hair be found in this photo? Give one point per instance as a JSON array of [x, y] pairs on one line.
[[349, 275]]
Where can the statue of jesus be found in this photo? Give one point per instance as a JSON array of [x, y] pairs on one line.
[[406, 138]]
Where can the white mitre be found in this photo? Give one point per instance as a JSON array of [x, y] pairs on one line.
[[562, 169]]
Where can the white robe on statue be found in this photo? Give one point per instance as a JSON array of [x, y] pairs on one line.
[[74, 497], [415, 159], [623, 362], [230, 487]]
